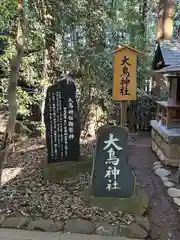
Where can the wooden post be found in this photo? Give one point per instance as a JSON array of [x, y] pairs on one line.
[[163, 120], [169, 117], [123, 113], [158, 112]]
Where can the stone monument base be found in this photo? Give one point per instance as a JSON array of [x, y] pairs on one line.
[[57, 172], [166, 143], [136, 205]]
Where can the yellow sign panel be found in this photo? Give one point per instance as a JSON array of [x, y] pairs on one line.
[[124, 86]]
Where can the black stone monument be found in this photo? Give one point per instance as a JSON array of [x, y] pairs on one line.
[[62, 122], [112, 175]]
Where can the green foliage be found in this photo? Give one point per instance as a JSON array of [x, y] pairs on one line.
[[86, 33], [8, 14], [23, 101], [144, 109], [177, 21]]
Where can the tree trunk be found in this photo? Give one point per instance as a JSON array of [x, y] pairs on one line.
[[49, 72], [165, 19], [143, 23], [14, 74], [168, 18]]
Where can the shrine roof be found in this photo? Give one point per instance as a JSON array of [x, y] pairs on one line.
[[170, 69], [126, 46], [170, 52]]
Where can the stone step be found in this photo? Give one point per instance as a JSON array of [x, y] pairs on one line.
[[13, 234], [138, 229], [67, 236]]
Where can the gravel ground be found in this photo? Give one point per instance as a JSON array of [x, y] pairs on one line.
[[25, 193], [163, 214]]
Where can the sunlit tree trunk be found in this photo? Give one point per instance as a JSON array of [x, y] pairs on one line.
[[49, 71], [14, 74], [165, 19]]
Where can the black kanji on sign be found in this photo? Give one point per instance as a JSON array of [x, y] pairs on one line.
[[125, 61], [124, 81], [125, 77], [126, 73], [112, 175], [124, 91], [62, 122]]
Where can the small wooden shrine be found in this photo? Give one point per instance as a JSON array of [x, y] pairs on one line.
[[167, 53], [168, 112], [166, 127]]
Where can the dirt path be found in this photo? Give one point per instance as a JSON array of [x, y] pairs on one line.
[[163, 214]]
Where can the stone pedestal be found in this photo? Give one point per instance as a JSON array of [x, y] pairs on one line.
[[136, 205], [57, 172], [166, 143]]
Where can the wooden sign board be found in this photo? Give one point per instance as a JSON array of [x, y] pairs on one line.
[[124, 86]]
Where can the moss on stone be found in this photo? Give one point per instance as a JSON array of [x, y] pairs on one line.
[[56, 172]]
